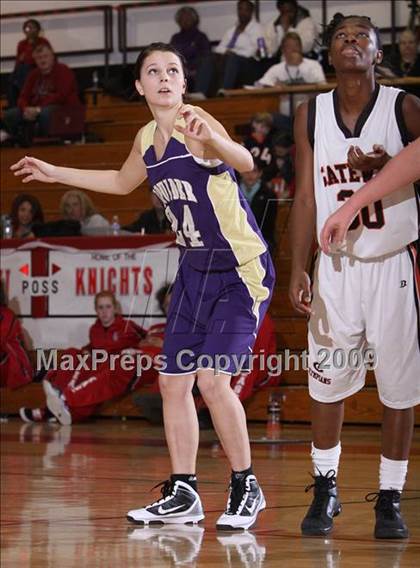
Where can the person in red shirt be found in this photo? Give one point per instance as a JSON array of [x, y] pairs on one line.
[[24, 58], [49, 85], [15, 366], [74, 395]]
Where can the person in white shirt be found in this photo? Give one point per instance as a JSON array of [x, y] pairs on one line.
[[292, 18], [237, 56], [75, 205], [293, 69]]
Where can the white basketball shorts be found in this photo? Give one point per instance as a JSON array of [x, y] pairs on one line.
[[366, 314]]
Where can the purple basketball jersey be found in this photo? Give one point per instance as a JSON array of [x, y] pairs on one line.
[[207, 211]]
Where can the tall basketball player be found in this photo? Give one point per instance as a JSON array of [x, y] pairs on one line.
[[364, 297], [223, 285]]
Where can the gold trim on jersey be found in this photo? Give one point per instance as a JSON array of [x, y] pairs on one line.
[[252, 275], [147, 135], [223, 193]]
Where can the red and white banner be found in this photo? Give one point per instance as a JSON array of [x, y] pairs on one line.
[[51, 283]]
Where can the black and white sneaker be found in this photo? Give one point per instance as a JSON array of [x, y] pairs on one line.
[[31, 415], [56, 403], [179, 504], [245, 501]]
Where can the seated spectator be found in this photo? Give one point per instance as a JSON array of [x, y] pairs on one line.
[[151, 221], [75, 205], [294, 69], [236, 56], [291, 18], [259, 142], [280, 175], [73, 396], [244, 384], [405, 63], [15, 366], [24, 58], [263, 202], [50, 85], [193, 44], [26, 212]]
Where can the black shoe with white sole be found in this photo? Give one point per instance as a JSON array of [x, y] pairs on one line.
[[179, 504], [245, 501]]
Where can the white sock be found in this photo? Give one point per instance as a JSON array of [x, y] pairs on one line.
[[325, 460], [392, 473]]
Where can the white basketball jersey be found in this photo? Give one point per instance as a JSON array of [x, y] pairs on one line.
[[387, 225]]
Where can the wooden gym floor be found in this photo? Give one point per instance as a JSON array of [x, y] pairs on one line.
[[65, 492]]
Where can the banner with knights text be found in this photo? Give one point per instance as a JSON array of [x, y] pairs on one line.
[[52, 285]]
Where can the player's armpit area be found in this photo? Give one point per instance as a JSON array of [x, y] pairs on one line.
[[411, 113]]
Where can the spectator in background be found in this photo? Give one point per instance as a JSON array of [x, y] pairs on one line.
[[75, 205], [236, 56], [292, 70], [24, 58], [15, 366], [50, 85], [405, 63], [151, 221], [291, 18], [280, 175], [260, 140], [263, 202], [73, 396], [193, 44], [26, 212]]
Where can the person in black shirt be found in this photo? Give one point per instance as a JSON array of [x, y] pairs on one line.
[[151, 221]]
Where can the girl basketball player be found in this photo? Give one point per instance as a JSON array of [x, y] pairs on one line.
[[223, 285]]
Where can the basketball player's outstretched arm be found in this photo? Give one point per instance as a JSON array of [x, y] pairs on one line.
[[302, 217], [121, 182], [400, 171]]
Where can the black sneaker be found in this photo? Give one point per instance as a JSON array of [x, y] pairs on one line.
[[179, 504], [245, 501], [389, 521], [325, 505]]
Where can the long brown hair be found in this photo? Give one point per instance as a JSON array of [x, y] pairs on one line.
[[37, 213]]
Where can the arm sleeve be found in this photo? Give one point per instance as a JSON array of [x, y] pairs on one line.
[[203, 47], [271, 77], [66, 88], [271, 39], [308, 33], [26, 93], [221, 48]]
